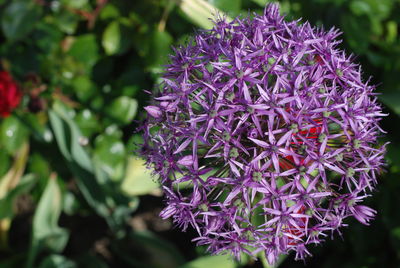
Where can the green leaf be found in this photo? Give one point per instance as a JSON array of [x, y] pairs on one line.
[[19, 18], [12, 134], [220, 261], [110, 154], [38, 165], [47, 38], [36, 124], [359, 7], [84, 88], [200, 12], [67, 139], [138, 179], [73, 136], [92, 181], [158, 49], [116, 38], [13, 176], [5, 162], [379, 8], [97, 103], [7, 202], [357, 31], [65, 20], [122, 109], [87, 122], [109, 11], [85, 49], [45, 220], [63, 137], [112, 38], [392, 31], [45, 230]]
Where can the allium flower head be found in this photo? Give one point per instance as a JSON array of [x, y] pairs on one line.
[[264, 136]]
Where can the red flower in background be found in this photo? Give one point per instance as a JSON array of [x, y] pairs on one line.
[[10, 95]]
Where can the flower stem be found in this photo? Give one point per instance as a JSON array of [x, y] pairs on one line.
[[164, 18]]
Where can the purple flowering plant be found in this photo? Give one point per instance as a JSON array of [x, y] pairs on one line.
[[264, 136]]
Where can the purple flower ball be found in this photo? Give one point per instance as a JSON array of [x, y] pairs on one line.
[[264, 136]]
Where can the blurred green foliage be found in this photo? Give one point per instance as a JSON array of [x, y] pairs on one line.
[[72, 191]]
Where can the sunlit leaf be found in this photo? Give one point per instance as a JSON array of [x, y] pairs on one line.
[[392, 31], [200, 12], [10, 187], [138, 179], [112, 38], [123, 109], [13, 176]]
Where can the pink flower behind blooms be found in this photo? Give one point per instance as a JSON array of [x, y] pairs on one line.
[[264, 135], [10, 95]]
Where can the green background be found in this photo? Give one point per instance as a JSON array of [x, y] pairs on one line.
[[72, 191]]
